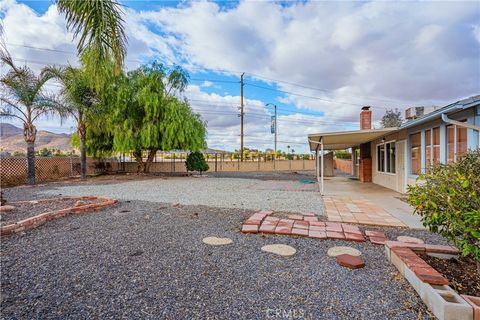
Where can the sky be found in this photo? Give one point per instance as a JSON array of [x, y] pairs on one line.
[[319, 62]]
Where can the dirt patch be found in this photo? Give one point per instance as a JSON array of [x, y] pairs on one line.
[[27, 209], [461, 272]]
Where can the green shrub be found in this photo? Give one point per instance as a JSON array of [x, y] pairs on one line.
[[196, 162], [342, 154], [447, 197]]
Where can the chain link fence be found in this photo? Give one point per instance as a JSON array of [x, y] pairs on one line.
[[13, 170]]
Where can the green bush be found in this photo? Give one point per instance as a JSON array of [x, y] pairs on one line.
[[447, 197], [196, 162], [342, 154]]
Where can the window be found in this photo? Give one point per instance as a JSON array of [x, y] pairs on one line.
[[416, 153], [386, 157], [428, 146], [435, 145], [432, 146], [456, 142], [390, 157], [381, 157], [450, 144]]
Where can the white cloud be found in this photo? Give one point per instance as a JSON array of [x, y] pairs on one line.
[[207, 84], [407, 52]]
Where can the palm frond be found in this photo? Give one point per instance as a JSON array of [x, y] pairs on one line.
[[23, 93], [9, 109], [99, 26]]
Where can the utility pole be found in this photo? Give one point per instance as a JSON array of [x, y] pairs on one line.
[[274, 128], [275, 131], [241, 116]]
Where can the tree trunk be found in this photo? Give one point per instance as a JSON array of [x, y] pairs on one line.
[[83, 154], [83, 159], [31, 163], [30, 134], [138, 158], [148, 163]]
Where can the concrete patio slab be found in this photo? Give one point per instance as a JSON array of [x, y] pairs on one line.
[[351, 201]]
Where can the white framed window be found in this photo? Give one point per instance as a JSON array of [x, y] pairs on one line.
[[415, 153], [386, 157], [432, 146], [456, 142]]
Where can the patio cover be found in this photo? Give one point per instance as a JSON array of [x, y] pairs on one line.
[[345, 139], [340, 140]]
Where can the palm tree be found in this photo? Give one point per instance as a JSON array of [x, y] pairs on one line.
[[23, 97], [100, 27], [79, 100]]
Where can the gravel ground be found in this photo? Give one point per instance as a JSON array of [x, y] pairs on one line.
[[240, 193], [146, 260], [279, 175]]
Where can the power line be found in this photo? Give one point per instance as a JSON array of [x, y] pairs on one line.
[[307, 96], [221, 103], [214, 80], [318, 89], [255, 75]]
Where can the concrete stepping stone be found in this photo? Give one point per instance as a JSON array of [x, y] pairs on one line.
[[214, 241], [409, 239], [7, 208], [338, 250], [280, 249], [349, 261]]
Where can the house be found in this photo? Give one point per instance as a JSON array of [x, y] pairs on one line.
[[394, 157]]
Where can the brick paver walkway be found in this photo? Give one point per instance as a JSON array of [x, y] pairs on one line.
[[359, 211], [305, 224]]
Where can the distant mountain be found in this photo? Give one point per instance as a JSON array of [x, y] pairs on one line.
[[11, 139], [7, 130]]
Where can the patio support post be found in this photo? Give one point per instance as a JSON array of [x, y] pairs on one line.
[[321, 166]]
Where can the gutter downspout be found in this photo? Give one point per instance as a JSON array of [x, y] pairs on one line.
[[446, 119]]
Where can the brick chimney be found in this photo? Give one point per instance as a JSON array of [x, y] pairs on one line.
[[366, 118]]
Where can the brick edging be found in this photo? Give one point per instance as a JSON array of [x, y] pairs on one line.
[[407, 253], [35, 221]]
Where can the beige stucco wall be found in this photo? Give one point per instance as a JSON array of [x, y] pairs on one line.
[[231, 166], [13, 171]]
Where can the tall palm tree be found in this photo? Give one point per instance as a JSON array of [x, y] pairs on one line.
[[79, 100], [99, 24], [23, 97]]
